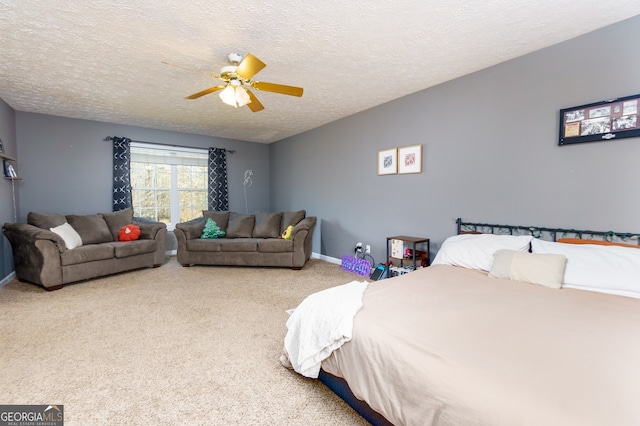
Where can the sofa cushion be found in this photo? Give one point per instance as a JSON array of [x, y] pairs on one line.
[[91, 227], [45, 221], [117, 220], [86, 253], [240, 225], [275, 246], [221, 218], [200, 244], [267, 225], [132, 248], [291, 219], [239, 244]]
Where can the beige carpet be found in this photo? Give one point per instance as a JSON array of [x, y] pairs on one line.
[[166, 346]]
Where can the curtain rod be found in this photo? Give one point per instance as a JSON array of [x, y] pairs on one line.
[[230, 151]]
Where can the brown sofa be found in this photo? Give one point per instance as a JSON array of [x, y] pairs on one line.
[[250, 240], [41, 256]]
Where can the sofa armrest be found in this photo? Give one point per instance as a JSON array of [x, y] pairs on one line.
[[306, 224], [152, 230], [184, 231], [302, 237], [36, 253], [148, 228], [192, 228], [26, 234]]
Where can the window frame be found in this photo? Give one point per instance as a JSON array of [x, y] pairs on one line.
[[173, 156]]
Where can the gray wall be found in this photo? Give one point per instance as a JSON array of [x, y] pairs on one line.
[[8, 136], [66, 165], [490, 153]]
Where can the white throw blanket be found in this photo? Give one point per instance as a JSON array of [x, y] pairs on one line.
[[320, 325]]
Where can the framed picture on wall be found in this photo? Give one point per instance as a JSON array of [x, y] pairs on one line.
[[600, 121], [410, 159], [388, 162]]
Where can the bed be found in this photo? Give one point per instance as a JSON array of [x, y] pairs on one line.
[[510, 325]]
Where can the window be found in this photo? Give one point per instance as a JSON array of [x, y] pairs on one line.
[[168, 184]]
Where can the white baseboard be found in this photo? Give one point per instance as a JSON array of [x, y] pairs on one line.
[[8, 278], [327, 258]]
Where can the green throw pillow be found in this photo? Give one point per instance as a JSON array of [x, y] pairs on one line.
[[212, 230]]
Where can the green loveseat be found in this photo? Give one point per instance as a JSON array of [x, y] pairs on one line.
[[42, 257], [250, 240]]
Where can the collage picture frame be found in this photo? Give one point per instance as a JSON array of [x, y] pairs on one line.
[[600, 121]]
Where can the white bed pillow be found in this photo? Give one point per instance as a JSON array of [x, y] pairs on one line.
[[542, 269], [475, 251], [69, 235], [607, 269]]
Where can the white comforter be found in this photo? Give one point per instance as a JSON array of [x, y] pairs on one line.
[[321, 324]]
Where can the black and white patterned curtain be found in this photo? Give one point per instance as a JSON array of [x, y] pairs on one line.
[[218, 184], [121, 173]]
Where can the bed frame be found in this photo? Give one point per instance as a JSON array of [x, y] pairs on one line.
[[340, 387], [547, 233]]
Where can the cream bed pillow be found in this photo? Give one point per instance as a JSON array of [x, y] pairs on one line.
[[541, 269]]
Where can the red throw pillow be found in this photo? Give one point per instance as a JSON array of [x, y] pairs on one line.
[[129, 233]]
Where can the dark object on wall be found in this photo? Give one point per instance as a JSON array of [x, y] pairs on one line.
[[600, 121], [9, 171]]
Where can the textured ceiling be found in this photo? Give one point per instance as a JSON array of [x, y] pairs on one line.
[[101, 59]]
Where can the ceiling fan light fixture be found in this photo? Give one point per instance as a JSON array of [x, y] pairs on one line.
[[237, 77], [235, 95], [242, 97], [228, 96]]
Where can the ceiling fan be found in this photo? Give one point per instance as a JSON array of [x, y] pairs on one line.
[[237, 79]]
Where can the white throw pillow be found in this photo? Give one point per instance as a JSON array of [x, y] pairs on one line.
[[69, 235], [607, 269], [475, 251], [541, 269]]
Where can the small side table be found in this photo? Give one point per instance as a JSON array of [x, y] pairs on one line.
[[412, 242]]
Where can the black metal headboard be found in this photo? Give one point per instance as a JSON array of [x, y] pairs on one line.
[[538, 232]]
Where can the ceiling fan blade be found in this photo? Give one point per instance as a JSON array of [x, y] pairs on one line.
[[278, 88], [192, 69], [255, 104], [249, 66], [205, 92]]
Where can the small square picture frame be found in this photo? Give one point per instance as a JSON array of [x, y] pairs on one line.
[[388, 162], [410, 159]]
